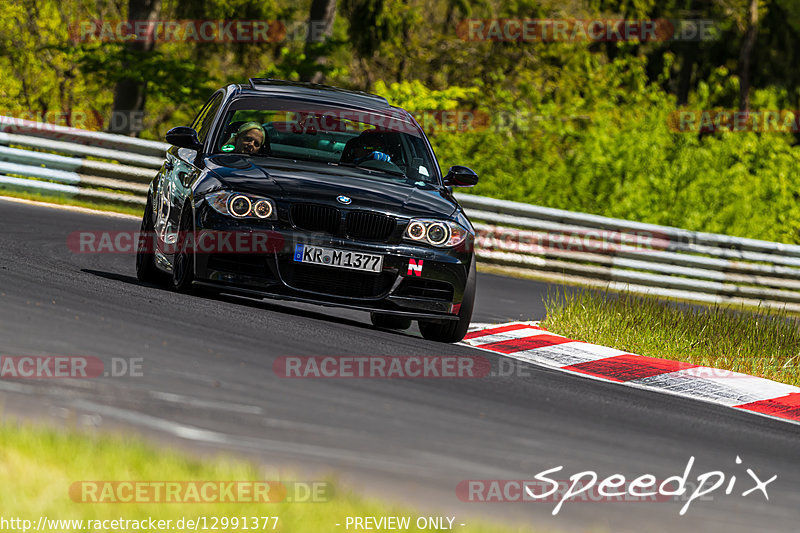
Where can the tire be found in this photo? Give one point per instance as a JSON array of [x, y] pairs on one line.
[[146, 270], [453, 330], [183, 260], [380, 320]]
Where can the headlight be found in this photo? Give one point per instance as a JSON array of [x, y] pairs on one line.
[[416, 230], [239, 205], [439, 233], [262, 209]]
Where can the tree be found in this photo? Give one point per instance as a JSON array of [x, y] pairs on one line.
[[131, 91], [320, 25], [748, 43]]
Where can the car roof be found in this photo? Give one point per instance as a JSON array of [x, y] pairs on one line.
[[267, 86]]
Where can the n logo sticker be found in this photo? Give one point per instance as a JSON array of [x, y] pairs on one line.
[[415, 267]]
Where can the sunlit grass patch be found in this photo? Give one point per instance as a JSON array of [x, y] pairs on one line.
[[763, 343], [39, 465]]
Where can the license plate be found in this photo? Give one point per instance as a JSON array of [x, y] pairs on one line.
[[317, 255]]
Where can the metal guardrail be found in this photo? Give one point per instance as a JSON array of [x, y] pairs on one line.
[[551, 244], [101, 166], [625, 255]]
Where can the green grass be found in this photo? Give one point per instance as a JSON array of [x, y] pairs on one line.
[[38, 466], [71, 200], [763, 343]]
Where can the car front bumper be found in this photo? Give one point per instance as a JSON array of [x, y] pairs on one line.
[[415, 281]]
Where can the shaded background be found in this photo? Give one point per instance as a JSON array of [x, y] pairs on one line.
[[584, 126]]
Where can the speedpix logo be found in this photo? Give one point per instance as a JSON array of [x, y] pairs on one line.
[[587, 486]]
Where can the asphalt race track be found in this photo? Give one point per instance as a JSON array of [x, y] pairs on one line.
[[208, 384]]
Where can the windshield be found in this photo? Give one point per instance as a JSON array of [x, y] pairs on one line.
[[384, 143]]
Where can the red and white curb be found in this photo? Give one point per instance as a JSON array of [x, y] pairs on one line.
[[528, 342]]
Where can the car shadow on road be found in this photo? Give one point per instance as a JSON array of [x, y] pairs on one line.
[[276, 306]]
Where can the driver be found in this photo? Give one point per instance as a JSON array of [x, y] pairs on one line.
[[248, 139]]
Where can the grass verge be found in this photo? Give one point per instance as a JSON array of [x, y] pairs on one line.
[[39, 465], [763, 343], [71, 200]]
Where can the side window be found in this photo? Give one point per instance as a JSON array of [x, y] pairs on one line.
[[205, 119], [199, 118]]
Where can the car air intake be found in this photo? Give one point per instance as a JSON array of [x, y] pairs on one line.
[[242, 264], [312, 217], [425, 288], [336, 281], [369, 226]]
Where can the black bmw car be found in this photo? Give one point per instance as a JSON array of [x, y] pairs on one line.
[[317, 194]]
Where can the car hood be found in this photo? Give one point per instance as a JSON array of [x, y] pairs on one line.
[[295, 181]]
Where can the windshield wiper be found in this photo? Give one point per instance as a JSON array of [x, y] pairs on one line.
[[384, 170]]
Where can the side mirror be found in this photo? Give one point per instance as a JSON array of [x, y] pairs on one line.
[[184, 137], [459, 176]]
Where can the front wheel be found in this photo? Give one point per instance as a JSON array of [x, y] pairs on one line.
[[453, 330], [146, 270], [183, 260]]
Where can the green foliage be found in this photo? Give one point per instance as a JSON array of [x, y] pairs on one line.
[[573, 125], [164, 74], [599, 141], [378, 23], [414, 96]]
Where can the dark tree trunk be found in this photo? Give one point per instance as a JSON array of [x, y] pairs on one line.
[[130, 93], [688, 51], [744, 57], [320, 26], [685, 77]]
